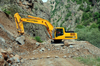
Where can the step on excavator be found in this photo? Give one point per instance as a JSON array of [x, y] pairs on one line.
[[55, 33]]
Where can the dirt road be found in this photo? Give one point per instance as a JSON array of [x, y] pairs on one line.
[[52, 62]]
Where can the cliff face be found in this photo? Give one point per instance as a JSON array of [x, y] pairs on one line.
[[28, 7], [70, 13]]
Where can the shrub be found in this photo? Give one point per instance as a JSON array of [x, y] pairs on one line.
[[80, 26], [87, 9], [37, 38], [91, 35], [98, 22], [7, 12], [69, 14], [81, 7], [94, 25], [96, 15], [87, 22], [79, 1], [85, 16], [67, 6], [77, 20]]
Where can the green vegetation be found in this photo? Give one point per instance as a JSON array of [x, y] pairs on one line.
[[6, 11], [37, 38], [77, 20], [68, 0], [62, 24], [96, 15], [83, 1], [68, 15], [67, 6], [78, 1], [59, 19], [89, 60], [79, 26], [94, 25], [86, 34], [98, 22], [86, 18]]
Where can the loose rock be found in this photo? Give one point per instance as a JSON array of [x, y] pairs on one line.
[[21, 40]]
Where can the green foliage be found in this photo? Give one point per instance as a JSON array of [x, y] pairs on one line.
[[7, 12], [62, 24], [73, 0], [78, 1], [87, 9], [86, 22], [59, 19], [68, 15], [86, 16], [89, 60], [96, 15], [81, 7], [77, 20], [91, 35], [98, 22], [37, 38], [80, 26], [51, 7], [94, 25], [84, 9], [67, 6], [68, 0]]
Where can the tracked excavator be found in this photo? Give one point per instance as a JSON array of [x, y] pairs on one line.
[[55, 33]]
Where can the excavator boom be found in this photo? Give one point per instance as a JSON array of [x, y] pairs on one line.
[[19, 23]]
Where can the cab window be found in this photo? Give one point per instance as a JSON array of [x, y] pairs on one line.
[[59, 32]]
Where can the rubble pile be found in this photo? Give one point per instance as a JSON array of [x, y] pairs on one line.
[[7, 58]]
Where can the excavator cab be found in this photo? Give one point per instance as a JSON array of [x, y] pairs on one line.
[[59, 32]]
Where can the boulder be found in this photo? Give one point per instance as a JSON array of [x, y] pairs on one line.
[[20, 40], [48, 56], [66, 43], [64, 56], [71, 46], [56, 57]]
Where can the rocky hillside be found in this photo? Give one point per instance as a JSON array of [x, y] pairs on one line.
[[27, 7], [69, 13]]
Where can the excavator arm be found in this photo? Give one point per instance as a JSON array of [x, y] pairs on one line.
[[19, 23]]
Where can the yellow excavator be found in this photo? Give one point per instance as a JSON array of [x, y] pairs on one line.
[[55, 33]]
